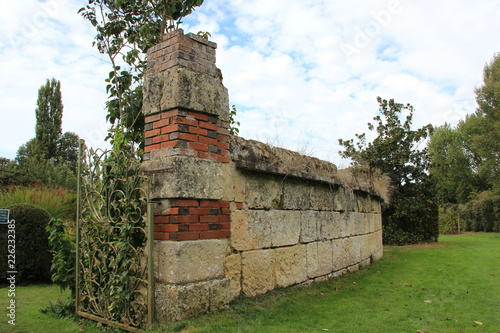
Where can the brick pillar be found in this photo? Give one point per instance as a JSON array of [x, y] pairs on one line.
[[187, 153], [187, 138]]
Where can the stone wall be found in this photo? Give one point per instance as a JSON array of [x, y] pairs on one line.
[[289, 227], [234, 216]]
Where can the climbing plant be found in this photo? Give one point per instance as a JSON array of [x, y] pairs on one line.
[[112, 266], [233, 124], [125, 30]]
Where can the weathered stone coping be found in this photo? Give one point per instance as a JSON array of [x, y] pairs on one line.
[[256, 156]]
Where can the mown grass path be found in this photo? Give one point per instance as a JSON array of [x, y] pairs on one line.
[[451, 286]]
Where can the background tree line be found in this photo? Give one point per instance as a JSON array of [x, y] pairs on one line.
[[443, 179], [50, 158], [465, 162]]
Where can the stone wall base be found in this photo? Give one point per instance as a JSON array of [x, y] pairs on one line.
[[176, 302]]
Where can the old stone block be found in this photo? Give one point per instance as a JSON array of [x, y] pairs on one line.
[[297, 194], [304, 284], [337, 273], [189, 261], [329, 225], [341, 256], [319, 257], [290, 265], [364, 262], [219, 294], [321, 279], [234, 183], [323, 197], [344, 200], [177, 302], [366, 246], [183, 88], [285, 227], [353, 268], [228, 180], [358, 221], [363, 202], [377, 222], [347, 224], [263, 191], [185, 177], [378, 255], [251, 230], [369, 222], [355, 245], [233, 273], [309, 226], [373, 222], [376, 245], [257, 272]]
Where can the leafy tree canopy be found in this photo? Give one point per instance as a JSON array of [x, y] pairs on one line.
[[125, 30], [455, 161], [487, 143], [396, 151], [466, 158], [51, 157], [49, 112]]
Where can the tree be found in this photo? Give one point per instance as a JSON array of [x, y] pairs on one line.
[[466, 159], [29, 150], [454, 162], [411, 215], [8, 172], [67, 150], [487, 143], [126, 29], [49, 158], [49, 112]]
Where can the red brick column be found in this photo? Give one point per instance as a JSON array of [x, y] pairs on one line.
[[189, 219], [187, 116], [187, 133]]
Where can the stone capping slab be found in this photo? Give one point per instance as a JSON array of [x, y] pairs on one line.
[[256, 156]]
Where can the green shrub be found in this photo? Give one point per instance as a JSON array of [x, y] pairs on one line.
[[411, 218], [482, 213], [59, 202], [32, 255], [47, 172], [449, 217], [63, 247]]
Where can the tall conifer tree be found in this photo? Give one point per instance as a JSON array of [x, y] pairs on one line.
[[49, 112]]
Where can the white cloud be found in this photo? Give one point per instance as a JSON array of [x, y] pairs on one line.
[[293, 62], [44, 40], [301, 73]]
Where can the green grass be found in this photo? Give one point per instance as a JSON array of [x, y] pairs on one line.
[[460, 276], [446, 287], [29, 319]]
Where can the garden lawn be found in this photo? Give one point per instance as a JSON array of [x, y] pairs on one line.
[[29, 319], [451, 286]]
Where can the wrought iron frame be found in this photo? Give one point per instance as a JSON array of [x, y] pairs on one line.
[[148, 234]]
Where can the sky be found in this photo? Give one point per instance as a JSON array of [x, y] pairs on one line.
[[302, 74]]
